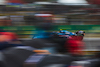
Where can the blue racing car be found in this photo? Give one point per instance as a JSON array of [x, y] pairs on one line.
[[61, 33], [65, 33]]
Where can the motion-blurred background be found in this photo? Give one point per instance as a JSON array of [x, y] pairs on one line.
[[34, 21], [19, 16]]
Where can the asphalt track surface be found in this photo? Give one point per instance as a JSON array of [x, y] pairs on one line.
[[90, 43]]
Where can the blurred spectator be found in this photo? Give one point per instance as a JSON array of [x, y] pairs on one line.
[[30, 20], [17, 19], [5, 21], [8, 22], [44, 17]]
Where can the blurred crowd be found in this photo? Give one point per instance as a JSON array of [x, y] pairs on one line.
[[61, 14]]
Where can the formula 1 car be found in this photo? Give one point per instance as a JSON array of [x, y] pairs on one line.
[[65, 33], [61, 33]]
